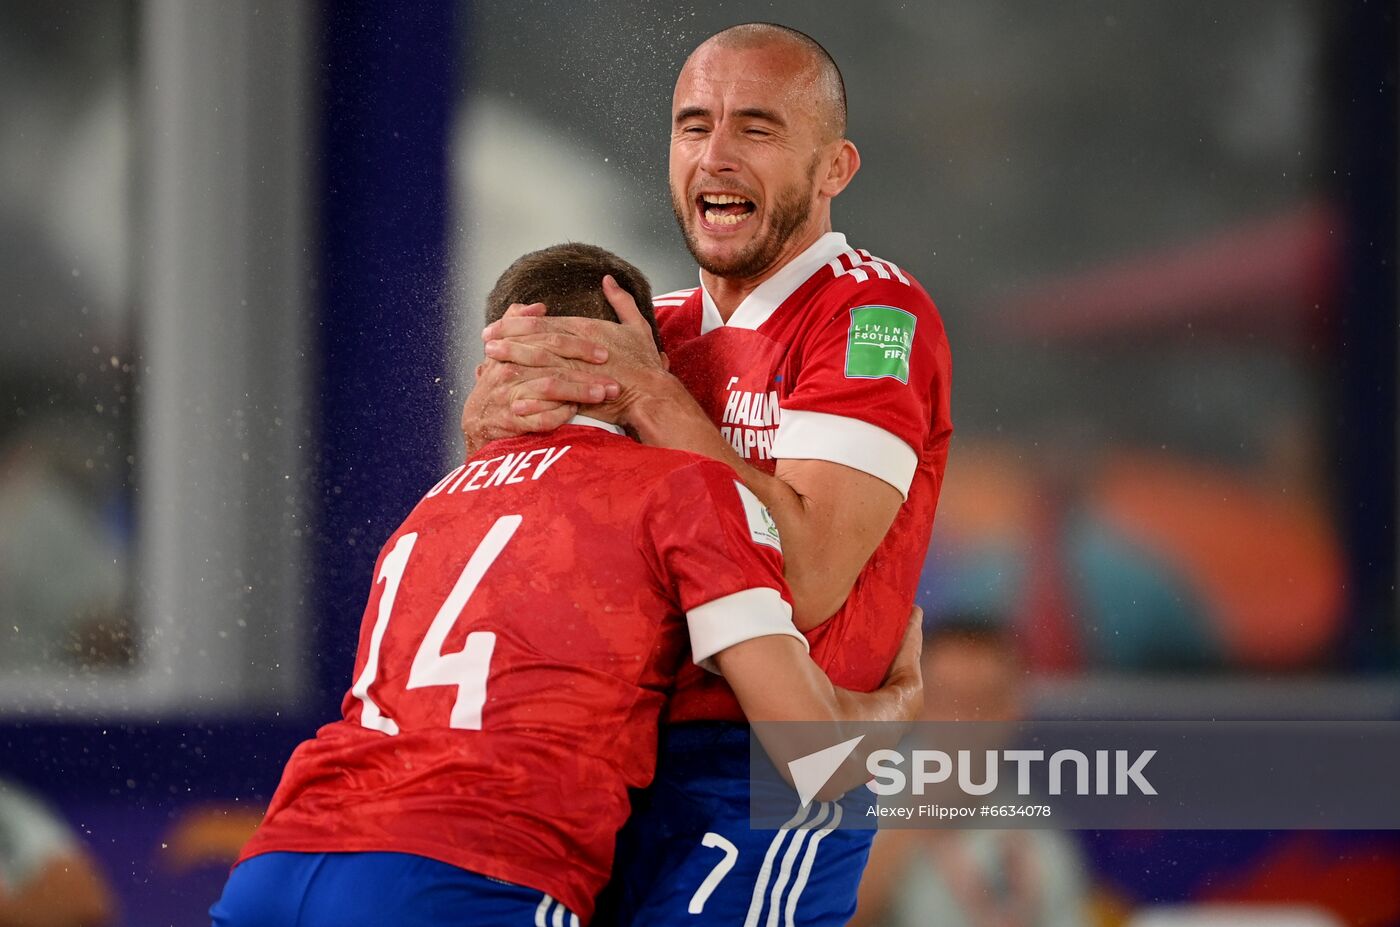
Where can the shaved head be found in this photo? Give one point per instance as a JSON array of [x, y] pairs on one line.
[[758, 149], [825, 77]]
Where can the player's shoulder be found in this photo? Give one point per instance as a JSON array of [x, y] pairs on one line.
[[674, 298], [855, 278], [668, 304], [684, 469], [678, 316]]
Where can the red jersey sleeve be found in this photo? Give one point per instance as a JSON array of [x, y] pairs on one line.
[[715, 551], [869, 383]]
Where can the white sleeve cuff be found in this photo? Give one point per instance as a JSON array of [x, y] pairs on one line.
[[849, 441], [733, 619]]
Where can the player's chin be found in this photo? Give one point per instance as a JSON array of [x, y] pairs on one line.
[[724, 246], [723, 258]]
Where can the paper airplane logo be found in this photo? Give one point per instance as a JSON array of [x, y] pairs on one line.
[[811, 772]]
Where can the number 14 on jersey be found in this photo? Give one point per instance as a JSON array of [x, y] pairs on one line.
[[465, 669]]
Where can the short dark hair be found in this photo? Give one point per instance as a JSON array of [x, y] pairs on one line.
[[568, 279]]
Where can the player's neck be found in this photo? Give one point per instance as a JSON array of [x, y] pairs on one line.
[[728, 292]]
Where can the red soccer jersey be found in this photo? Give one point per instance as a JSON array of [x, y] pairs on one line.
[[515, 653], [840, 356]]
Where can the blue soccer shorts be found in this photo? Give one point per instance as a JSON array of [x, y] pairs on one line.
[[689, 857], [376, 890]]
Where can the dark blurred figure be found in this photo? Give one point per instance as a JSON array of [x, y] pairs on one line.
[[47, 878], [972, 878]]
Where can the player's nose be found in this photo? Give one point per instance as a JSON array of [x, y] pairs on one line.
[[719, 155]]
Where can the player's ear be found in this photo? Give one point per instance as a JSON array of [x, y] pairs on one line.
[[841, 169]]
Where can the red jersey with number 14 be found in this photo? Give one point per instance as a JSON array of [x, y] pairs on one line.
[[526, 622], [839, 356]]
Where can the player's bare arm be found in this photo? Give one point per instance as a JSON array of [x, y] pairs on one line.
[[775, 680], [831, 517]]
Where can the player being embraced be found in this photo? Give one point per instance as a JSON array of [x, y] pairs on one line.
[[525, 625], [821, 374]]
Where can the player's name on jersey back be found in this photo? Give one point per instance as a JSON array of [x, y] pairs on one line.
[[502, 470]]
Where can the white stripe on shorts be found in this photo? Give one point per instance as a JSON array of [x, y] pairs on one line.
[[794, 847], [806, 869], [760, 889]]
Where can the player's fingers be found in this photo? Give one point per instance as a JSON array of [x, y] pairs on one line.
[[550, 420], [913, 643], [566, 386], [518, 326], [904, 669], [559, 345], [492, 374], [527, 407], [521, 353], [623, 304], [485, 413], [515, 312]]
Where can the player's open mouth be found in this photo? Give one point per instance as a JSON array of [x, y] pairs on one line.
[[724, 209]]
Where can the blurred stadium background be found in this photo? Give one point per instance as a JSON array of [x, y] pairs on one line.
[[244, 249]]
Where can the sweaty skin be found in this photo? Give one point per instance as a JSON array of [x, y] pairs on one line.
[[750, 120]]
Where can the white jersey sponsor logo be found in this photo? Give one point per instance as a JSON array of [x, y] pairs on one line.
[[750, 421]]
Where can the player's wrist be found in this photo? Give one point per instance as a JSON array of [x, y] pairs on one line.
[[653, 399]]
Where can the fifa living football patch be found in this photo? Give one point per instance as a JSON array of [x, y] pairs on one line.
[[762, 528], [879, 343]]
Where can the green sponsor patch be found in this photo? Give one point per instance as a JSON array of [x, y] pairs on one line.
[[879, 343]]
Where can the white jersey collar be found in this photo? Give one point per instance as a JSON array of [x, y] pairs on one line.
[[587, 422], [760, 305]]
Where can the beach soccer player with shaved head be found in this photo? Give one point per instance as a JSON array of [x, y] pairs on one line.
[[821, 374], [524, 628]]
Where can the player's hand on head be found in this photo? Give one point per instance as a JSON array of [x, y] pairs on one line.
[[511, 400], [519, 310], [533, 340], [538, 391], [638, 342], [525, 335], [540, 369]]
